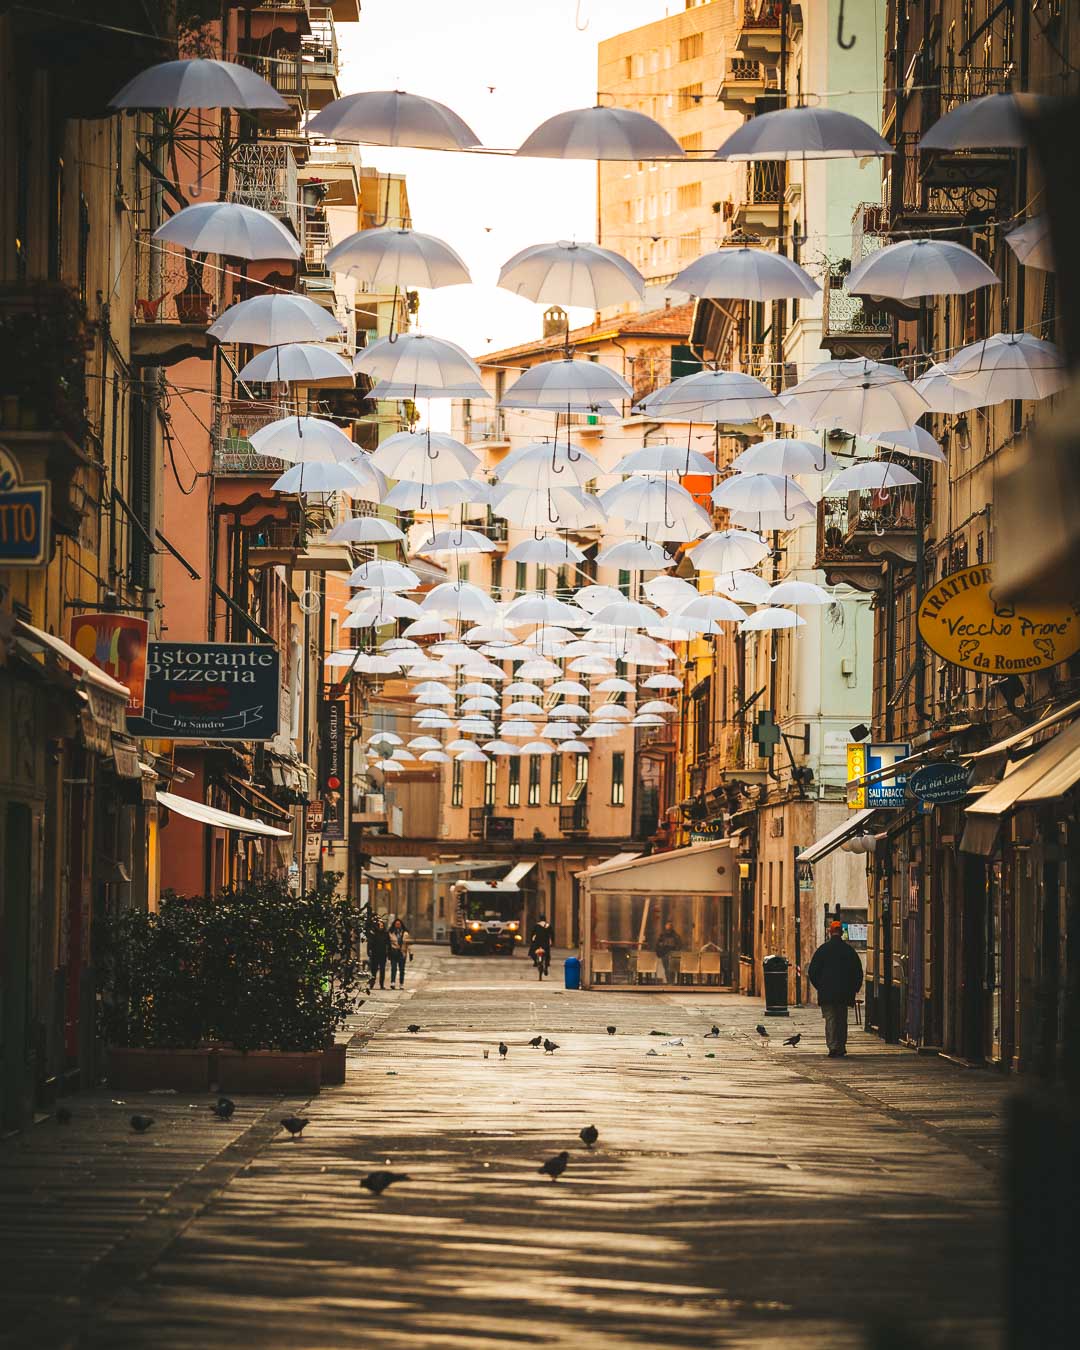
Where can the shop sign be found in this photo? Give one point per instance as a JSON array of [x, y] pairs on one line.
[[707, 832], [116, 643], [333, 737], [940, 783], [222, 691], [312, 848], [869, 758], [315, 816], [24, 517], [968, 625]]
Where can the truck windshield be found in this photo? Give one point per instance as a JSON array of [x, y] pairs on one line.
[[492, 906]]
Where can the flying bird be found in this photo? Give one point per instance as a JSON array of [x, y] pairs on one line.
[[537, 1042], [413, 1028], [504, 1049], [295, 1125], [589, 1135], [377, 1182], [550, 1047], [63, 1116], [223, 1108], [555, 1167], [140, 1124], [611, 1031], [794, 1040]]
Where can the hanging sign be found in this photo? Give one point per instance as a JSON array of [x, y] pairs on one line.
[[940, 783], [116, 643], [872, 758], [24, 517], [968, 625], [222, 691], [332, 743]]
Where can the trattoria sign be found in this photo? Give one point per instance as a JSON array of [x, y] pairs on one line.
[[966, 623]]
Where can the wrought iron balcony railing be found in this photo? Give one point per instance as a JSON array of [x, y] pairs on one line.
[[265, 176]]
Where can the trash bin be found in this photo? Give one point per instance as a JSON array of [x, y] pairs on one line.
[[776, 982], [572, 973]]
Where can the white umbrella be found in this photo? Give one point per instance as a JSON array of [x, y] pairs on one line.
[[473, 755], [384, 738], [425, 743], [304, 440], [456, 540], [641, 554], [1032, 244], [537, 748], [615, 685], [612, 712], [569, 689], [559, 731], [548, 551], [712, 396], [273, 320], [804, 133], [799, 593], [540, 609], [728, 551], [744, 273], [391, 258], [354, 478], [763, 619], [645, 719], [402, 756], [575, 748], [542, 464], [518, 730], [626, 614], [992, 122], [198, 83], [390, 766], [564, 508], [870, 475], [596, 730], [1008, 366], [415, 359], [657, 705], [643, 501], [601, 133], [917, 442], [861, 396], [915, 267], [556, 385], [745, 587], [393, 117], [592, 598], [231, 229], [458, 600], [408, 496], [673, 459], [365, 530], [480, 705], [572, 274], [427, 628], [784, 456], [711, 608], [662, 681], [477, 726], [759, 492], [500, 747], [386, 607], [297, 363], [801, 513], [435, 757], [523, 689], [539, 670], [425, 457], [399, 645], [943, 394], [399, 389], [383, 574], [669, 592], [571, 710]]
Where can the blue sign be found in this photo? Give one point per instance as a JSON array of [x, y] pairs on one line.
[[223, 691], [887, 792], [940, 783], [24, 517]]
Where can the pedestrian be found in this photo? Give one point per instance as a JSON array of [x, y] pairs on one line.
[[540, 945], [667, 944], [378, 945], [398, 938], [837, 974]]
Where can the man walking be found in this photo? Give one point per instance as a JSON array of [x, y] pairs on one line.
[[398, 938], [378, 945], [836, 973]]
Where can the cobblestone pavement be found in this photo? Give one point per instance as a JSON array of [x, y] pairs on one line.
[[740, 1194]]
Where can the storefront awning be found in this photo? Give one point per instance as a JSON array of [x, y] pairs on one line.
[[1061, 714], [822, 847], [701, 869], [222, 820], [1049, 772]]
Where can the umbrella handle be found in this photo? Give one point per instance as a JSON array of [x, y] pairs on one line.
[[846, 46], [689, 434], [554, 518], [429, 454], [571, 458]]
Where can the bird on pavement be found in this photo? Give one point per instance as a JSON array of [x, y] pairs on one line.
[[63, 1116], [555, 1167], [611, 1031], [140, 1124], [537, 1042], [377, 1182], [589, 1135], [223, 1108], [412, 1028], [794, 1040], [550, 1047], [504, 1049], [295, 1125], [709, 1035], [763, 1032]]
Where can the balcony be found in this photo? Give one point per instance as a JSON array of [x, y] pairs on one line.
[[856, 534], [759, 36], [490, 430], [177, 295], [234, 422], [320, 56], [574, 819], [851, 325], [272, 543], [288, 74], [265, 176], [762, 210], [743, 83]]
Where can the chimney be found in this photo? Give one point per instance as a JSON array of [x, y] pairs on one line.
[[554, 321]]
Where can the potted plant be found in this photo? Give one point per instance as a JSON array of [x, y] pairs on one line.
[[193, 303]]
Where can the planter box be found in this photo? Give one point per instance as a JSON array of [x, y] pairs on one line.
[[333, 1065], [144, 1070], [268, 1071]]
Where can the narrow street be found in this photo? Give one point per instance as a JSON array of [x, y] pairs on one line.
[[739, 1194]]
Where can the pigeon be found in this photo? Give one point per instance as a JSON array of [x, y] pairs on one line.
[[537, 1042], [140, 1124], [763, 1032], [710, 1035], [63, 1116], [377, 1182], [589, 1135], [412, 1028], [611, 1031], [550, 1047], [504, 1049], [295, 1125], [555, 1167], [794, 1040], [223, 1108]]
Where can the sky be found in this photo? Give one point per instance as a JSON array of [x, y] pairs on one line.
[[504, 66]]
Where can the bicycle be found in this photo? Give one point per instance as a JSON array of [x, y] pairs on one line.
[[542, 961]]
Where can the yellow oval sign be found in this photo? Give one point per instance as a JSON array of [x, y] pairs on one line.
[[965, 623]]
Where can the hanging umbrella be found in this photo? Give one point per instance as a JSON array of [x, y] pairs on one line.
[[473, 755], [802, 513], [458, 600], [539, 670], [662, 682], [415, 359], [597, 730], [517, 730], [673, 459], [728, 551], [541, 609], [549, 551], [860, 396], [747, 588], [393, 117], [759, 492], [644, 501], [615, 685], [569, 710], [391, 258], [799, 593], [917, 442], [644, 719], [873, 475], [916, 267], [1032, 244], [744, 273], [402, 756], [297, 363], [943, 394], [784, 456], [525, 708], [383, 574], [385, 738], [556, 385], [592, 598], [480, 705], [477, 726], [425, 743], [640, 554], [457, 540], [669, 592], [304, 440], [198, 83], [712, 396], [230, 229], [425, 457], [537, 748], [572, 274], [804, 133], [408, 496], [500, 747], [354, 478], [657, 705], [386, 607], [764, 619], [523, 689], [427, 628], [399, 645], [400, 389], [575, 747], [995, 121], [626, 614], [273, 320], [542, 464], [569, 689], [712, 608], [564, 508], [365, 530], [1008, 366], [435, 757], [601, 133], [612, 712]]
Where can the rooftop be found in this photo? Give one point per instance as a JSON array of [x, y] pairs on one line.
[[673, 321]]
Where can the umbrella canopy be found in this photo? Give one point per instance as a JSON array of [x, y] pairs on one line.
[[712, 396], [365, 530], [870, 475], [802, 513], [785, 456], [674, 459], [389, 258], [641, 554], [541, 609], [542, 464], [657, 705], [303, 440], [473, 755], [525, 709], [992, 122], [425, 457], [556, 385], [1031, 243], [943, 394], [563, 507], [592, 598], [435, 757], [409, 496], [669, 592], [917, 442], [601, 133], [1007, 366], [662, 681], [729, 551], [425, 743], [231, 229], [915, 267], [297, 363], [615, 685], [759, 492], [355, 478], [548, 551], [569, 689], [414, 359], [709, 609], [198, 83], [480, 704], [763, 619], [799, 593], [745, 587], [273, 320], [644, 501], [456, 540], [537, 748], [744, 273], [804, 133], [395, 389], [572, 274], [393, 117], [383, 574], [458, 600], [385, 607], [860, 396], [626, 614]]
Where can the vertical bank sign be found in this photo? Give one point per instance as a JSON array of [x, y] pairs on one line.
[[332, 743], [224, 691]]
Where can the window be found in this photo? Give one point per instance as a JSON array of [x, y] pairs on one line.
[[691, 47], [624, 582], [581, 776], [333, 632], [463, 572], [691, 141], [521, 578], [690, 96], [513, 796], [620, 671], [534, 780], [490, 769], [541, 579], [562, 584], [555, 792], [618, 783], [456, 783], [496, 577], [689, 196], [689, 245]]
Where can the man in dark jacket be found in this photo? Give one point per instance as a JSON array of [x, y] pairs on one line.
[[378, 948], [836, 973]]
